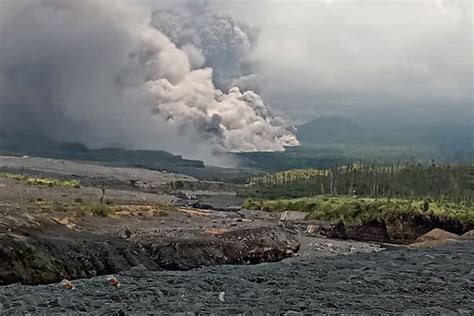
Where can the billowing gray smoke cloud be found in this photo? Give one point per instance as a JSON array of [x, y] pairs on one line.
[[212, 39], [98, 72]]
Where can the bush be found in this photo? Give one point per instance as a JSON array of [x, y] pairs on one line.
[[360, 210], [42, 181], [102, 210], [79, 200]]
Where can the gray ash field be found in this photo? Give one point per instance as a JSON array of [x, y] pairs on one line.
[[423, 280]]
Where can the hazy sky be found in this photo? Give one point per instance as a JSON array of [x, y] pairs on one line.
[[406, 57]]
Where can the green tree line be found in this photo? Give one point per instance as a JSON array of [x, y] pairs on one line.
[[437, 181]]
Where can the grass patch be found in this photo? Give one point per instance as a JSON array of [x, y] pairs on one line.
[[102, 210], [41, 181], [95, 209], [78, 208], [361, 210], [81, 209]]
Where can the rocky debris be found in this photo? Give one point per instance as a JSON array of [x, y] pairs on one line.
[[323, 247], [221, 297], [68, 285], [310, 229], [208, 200], [327, 246], [113, 281], [421, 281], [45, 251], [56, 253], [243, 246]]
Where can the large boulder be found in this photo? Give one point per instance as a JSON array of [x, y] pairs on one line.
[[436, 237]]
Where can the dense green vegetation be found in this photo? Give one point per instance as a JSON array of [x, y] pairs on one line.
[[359, 193], [439, 181], [41, 181], [352, 210]]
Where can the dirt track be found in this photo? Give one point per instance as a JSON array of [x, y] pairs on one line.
[[439, 280]]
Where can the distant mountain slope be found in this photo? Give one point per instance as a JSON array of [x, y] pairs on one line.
[[444, 135], [331, 130], [153, 159]]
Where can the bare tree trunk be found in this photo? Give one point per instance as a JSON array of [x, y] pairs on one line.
[[103, 189]]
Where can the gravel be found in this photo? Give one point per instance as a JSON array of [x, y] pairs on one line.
[[424, 280]]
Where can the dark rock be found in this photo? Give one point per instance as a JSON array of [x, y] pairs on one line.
[[62, 253], [256, 245], [53, 252]]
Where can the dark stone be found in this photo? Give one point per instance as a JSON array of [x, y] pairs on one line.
[[245, 246]]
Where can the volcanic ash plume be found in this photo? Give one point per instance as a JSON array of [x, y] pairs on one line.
[[225, 43], [97, 72], [238, 121]]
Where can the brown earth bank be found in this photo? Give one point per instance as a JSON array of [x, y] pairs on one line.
[[55, 252], [39, 248], [52, 232], [37, 257], [404, 229], [244, 246], [44, 242]]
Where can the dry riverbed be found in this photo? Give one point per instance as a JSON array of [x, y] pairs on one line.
[[171, 256], [418, 281]]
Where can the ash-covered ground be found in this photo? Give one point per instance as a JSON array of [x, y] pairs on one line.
[[324, 275], [424, 280]]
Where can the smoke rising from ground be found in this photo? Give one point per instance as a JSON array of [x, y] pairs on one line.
[[98, 72]]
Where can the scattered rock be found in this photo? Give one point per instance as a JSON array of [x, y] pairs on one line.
[[243, 246], [68, 284], [310, 229], [221, 297], [128, 233], [292, 216], [113, 281]]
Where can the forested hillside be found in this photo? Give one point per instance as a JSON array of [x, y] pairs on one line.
[[362, 179]]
